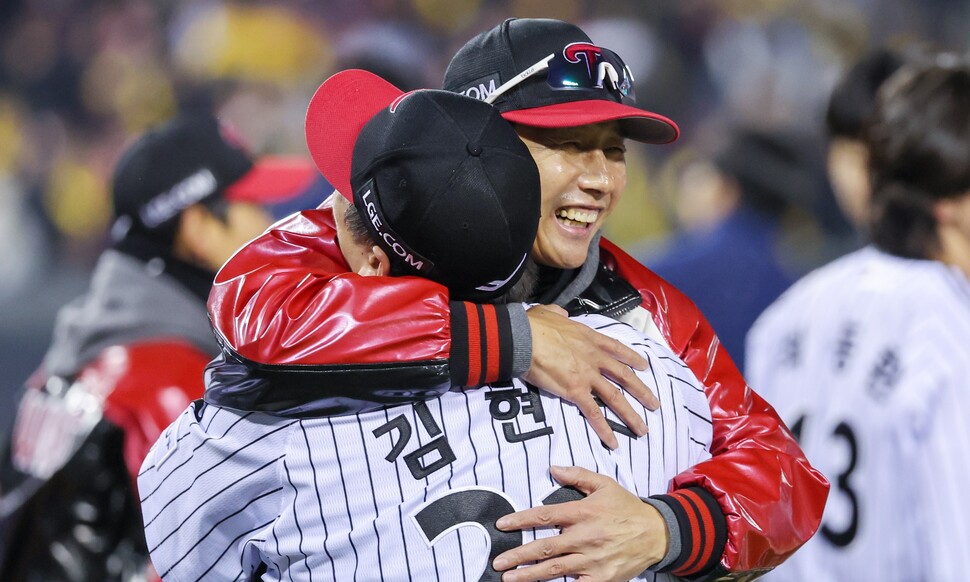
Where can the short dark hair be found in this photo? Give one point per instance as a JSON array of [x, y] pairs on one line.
[[854, 96], [919, 143], [357, 228]]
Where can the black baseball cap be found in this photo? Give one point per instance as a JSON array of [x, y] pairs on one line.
[[191, 159], [445, 185], [557, 78]]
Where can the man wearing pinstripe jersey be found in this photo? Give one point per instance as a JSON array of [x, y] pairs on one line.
[[873, 351], [412, 491], [407, 493]]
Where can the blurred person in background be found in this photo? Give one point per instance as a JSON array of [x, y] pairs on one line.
[[849, 108], [128, 356], [731, 205], [572, 103], [867, 357]]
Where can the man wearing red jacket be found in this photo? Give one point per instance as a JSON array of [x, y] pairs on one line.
[[128, 356], [301, 337]]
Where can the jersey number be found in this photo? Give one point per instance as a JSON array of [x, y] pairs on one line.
[[481, 507], [844, 432]]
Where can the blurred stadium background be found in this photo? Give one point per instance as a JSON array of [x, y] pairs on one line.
[[78, 78]]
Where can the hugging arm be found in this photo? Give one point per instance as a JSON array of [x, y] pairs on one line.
[[291, 319]]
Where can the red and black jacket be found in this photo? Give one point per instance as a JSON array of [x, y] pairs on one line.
[[126, 359], [291, 320]]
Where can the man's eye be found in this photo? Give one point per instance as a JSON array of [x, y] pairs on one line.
[[569, 145]]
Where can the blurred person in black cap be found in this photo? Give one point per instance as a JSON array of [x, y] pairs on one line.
[[573, 104], [442, 188], [728, 256], [129, 355]]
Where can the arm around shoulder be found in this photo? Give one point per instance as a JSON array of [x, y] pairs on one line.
[[287, 300]]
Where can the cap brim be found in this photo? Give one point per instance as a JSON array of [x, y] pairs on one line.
[[339, 109], [637, 124], [273, 179]]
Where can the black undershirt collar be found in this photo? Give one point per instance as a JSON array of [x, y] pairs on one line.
[[552, 282]]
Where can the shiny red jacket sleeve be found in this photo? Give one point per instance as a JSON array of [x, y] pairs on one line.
[[771, 496], [287, 298]]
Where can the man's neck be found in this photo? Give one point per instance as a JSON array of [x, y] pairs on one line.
[[562, 286], [955, 248], [158, 255], [550, 283]]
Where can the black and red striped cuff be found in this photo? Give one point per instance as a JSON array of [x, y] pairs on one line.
[[703, 531], [481, 343]]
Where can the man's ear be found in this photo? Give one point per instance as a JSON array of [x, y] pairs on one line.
[[377, 264], [945, 211]]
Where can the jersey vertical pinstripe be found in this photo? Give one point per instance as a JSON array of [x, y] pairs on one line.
[[410, 492], [873, 352]]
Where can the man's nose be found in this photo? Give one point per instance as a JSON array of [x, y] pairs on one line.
[[596, 176]]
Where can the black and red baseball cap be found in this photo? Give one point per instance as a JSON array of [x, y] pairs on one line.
[[192, 159], [445, 185], [547, 73]]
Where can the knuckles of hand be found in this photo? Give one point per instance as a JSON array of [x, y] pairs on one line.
[[611, 394], [545, 518], [557, 569]]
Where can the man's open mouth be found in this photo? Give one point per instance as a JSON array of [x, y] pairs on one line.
[[577, 216]]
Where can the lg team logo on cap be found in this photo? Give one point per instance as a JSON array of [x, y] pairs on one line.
[[590, 57], [387, 237], [584, 52]]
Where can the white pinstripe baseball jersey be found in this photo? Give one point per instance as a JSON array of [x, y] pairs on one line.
[[406, 493], [873, 354]]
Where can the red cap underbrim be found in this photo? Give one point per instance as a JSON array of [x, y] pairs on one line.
[[339, 109], [637, 124], [273, 179]]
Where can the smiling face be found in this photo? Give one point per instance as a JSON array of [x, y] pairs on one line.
[[583, 175]]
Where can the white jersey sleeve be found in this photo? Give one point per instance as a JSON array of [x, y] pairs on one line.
[[210, 493], [406, 493], [867, 360]]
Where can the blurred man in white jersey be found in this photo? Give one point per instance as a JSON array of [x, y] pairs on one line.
[[873, 350], [413, 491]]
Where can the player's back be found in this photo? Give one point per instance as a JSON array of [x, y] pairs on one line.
[[407, 493], [868, 361]]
